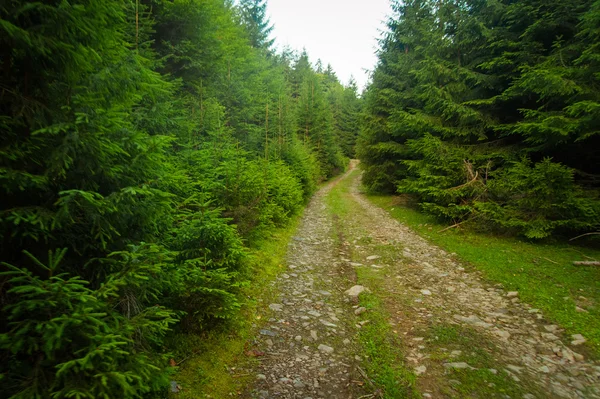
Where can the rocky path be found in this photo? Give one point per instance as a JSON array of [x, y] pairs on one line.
[[310, 340]]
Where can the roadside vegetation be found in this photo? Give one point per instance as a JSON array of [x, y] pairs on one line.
[[148, 151]]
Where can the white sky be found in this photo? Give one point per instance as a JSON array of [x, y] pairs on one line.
[[342, 33]]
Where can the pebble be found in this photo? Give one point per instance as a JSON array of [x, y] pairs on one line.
[[578, 339], [360, 310], [459, 366], [355, 291], [425, 292], [276, 307], [512, 294], [420, 370], [325, 348]]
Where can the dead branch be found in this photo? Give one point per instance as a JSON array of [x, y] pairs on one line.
[[365, 376], [586, 234], [467, 183], [587, 263], [550, 260], [453, 226]]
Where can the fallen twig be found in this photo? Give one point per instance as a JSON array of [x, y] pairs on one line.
[[587, 263], [187, 357], [586, 234], [453, 226]]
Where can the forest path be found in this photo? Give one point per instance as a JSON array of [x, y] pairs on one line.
[[459, 335]]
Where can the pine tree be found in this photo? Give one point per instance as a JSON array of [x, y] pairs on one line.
[[468, 98], [254, 16]]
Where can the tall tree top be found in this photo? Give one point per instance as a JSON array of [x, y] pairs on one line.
[[254, 16]]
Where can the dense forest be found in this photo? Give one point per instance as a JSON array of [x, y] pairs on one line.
[[488, 112], [145, 144]]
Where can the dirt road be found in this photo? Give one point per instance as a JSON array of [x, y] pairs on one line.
[[455, 335]]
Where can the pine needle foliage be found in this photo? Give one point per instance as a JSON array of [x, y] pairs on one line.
[[486, 111]]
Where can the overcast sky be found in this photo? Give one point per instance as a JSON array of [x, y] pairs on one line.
[[342, 33]]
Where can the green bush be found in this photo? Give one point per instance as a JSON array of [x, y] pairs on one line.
[[537, 199]]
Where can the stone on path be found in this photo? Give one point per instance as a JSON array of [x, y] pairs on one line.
[[578, 339], [425, 292], [327, 323], [512, 294], [420, 370], [360, 310], [551, 328], [472, 320], [356, 290], [502, 334], [373, 257], [458, 366], [276, 307], [325, 348]]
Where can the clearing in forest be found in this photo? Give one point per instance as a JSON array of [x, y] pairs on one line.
[[424, 326]]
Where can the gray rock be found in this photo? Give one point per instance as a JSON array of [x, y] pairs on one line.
[[512, 294], [373, 257], [472, 320], [578, 339], [458, 366], [514, 368], [551, 328], [267, 332], [502, 334], [299, 384], [276, 307], [420, 370], [356, 290], [325, 348], [360, 310], [327, 323], [425, 292]]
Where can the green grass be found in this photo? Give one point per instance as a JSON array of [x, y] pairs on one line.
[[218, 365], [542, 273], [381, 349]]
